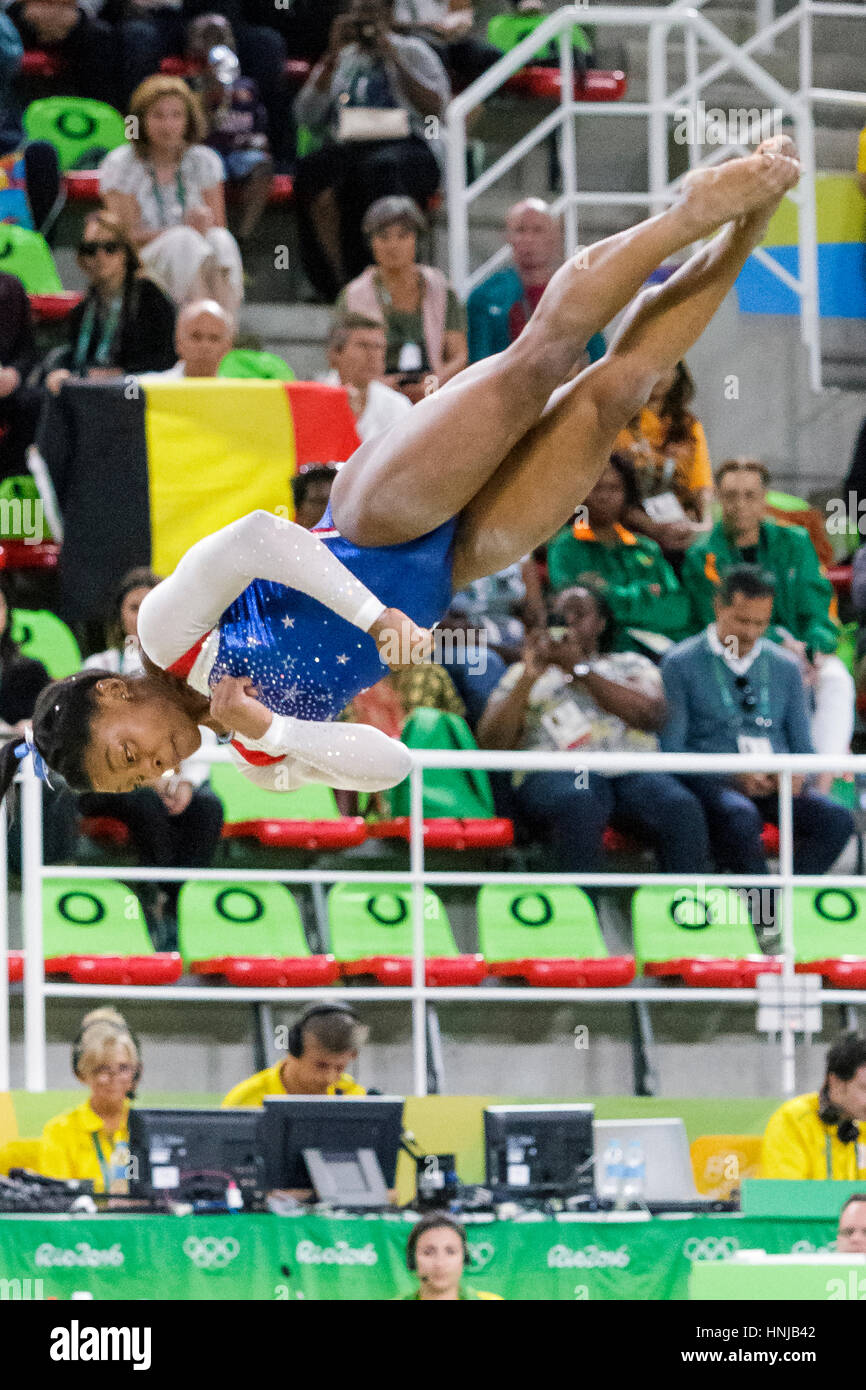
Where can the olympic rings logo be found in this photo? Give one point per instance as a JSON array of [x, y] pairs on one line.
[[211, 1252], [710, 1248]]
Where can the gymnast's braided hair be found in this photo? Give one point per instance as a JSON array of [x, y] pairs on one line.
[[61, 731]]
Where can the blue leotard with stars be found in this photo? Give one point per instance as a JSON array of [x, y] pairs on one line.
[[306, 660]]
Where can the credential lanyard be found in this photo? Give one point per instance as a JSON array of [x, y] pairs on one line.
[[160, 202], [102, 356], [738, 718]]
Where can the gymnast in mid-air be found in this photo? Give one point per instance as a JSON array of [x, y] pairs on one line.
[[265, 631]]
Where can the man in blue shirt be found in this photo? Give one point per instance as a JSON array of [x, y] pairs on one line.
[[727, 690]]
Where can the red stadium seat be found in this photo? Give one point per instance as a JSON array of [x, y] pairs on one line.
[[441, 971], [300, 834], [19, 555], [105, 829], [161, 968], [534, 83], [840, 577], [615, 842], [16, 967], [271, 971], [53, 308], [82, 185], [846, 972], [770, 839], [715, 972], [568, 974], [446, 832]]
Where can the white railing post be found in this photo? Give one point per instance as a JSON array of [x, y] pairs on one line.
[[692, 75], [31, 902], [568, 141], [419, 974], [456, 203], [657, 91], [786, 908], [5, 1037]]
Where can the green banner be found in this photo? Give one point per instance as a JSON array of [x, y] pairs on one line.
[[363, 1258]]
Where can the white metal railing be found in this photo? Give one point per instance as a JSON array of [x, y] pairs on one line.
[[419, 994], [658, 108]]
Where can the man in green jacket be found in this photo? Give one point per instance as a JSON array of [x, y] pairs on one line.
[[804, 617]]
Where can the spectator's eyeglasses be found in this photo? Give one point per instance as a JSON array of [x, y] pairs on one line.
[[748, 698], [90, 248]]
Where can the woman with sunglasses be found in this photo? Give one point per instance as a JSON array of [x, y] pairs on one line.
[[125, 324], [239, 639]]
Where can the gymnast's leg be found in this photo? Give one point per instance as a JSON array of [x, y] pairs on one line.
[[537, 488], [423, 472]]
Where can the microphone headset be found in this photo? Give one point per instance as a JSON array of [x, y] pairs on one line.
[[122, 1033], [847, 1130], [295, 1042], [432, 1223]]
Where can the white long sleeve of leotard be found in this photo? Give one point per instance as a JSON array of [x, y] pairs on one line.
[[352, 757], [217, 569]]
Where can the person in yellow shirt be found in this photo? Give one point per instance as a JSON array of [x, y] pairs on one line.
[[823, 1134], [92, 1140], [321, 1044], [438, 1254]]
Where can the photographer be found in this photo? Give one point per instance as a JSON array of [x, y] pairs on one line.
[[565, 694], [376, 99]]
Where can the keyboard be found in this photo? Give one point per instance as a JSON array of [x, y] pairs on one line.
[[31, 1194]]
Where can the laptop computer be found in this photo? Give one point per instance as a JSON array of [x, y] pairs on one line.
[[669, 1183]]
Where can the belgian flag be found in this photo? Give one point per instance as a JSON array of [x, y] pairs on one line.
[[141, 470]]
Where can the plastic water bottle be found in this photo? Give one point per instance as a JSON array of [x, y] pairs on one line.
[[634, 1175], [612, 1173]]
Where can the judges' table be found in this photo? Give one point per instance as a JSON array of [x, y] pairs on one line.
[[816, 1278], [313, 1256]]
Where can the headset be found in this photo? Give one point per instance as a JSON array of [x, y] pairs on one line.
[[432, 1223], [121, 1032], [847, 1130], [295, 1043]]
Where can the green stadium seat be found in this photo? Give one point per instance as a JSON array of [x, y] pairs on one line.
[[25, 254], [506, 31], [371, 934], [82, 131], [306, 819], [244, 363], [19, 500], [250, 934], [547, 935], [830, 935], [703, 938], [46, 638], [458, 804], [94, 931]]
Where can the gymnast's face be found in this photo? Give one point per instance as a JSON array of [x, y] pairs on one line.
[[137, 735]]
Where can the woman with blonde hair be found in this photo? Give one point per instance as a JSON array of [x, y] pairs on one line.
[[91, 1141], [166, 187]]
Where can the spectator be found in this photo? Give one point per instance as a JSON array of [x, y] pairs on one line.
[[21, 680], [820, 1135], [167, 190], [321, 1044], [91, 1142], [728, 690], [631, 571], [502, 606], [203, 335], [424, 320], [124, 324], [447, 25], [437, 1253], [19, 404], [311, 491], [356, 357], [668, 447], [500, 307], [177, 824], [11, 50], [569, 692], [83, 46], [32, 165], [803, 618], [851, 1235], [372, 98], [236, 119], [388, 704]]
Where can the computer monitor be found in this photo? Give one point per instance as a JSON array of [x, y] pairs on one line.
[[194, 1154], [539, 1150], [665, 1145], [341, 1129]]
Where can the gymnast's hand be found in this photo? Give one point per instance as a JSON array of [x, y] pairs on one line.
[[233, 704], [402, 644]]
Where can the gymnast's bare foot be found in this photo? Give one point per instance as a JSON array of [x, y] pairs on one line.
[[739, 187]]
